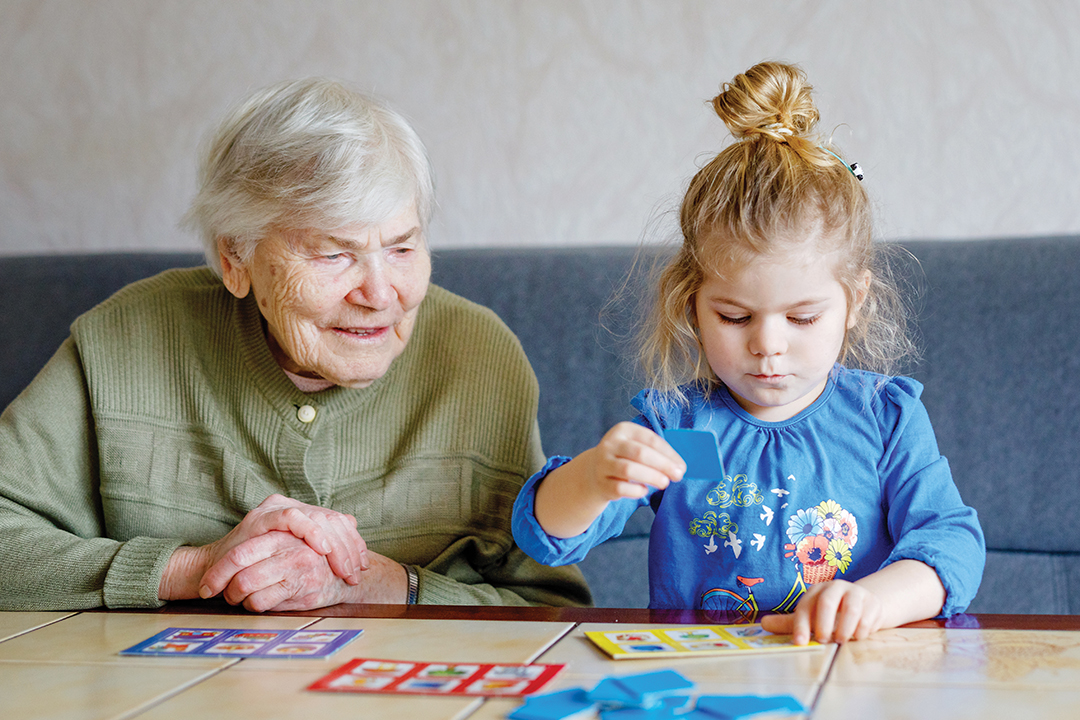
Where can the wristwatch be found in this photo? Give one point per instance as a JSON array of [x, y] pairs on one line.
[[414, 583]]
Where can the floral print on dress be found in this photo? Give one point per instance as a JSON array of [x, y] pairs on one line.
[[821, 540]]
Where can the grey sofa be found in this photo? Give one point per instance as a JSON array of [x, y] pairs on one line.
[[998, 321]]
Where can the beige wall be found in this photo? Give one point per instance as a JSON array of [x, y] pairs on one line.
[[548, 122]]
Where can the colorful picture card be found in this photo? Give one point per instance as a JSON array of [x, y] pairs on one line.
[[686, 640], [238, 642], [368, 675]]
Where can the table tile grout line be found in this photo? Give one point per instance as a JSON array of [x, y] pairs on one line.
[[825, 681], [169, 695], [467, 712], [39, 627], [542, 651]]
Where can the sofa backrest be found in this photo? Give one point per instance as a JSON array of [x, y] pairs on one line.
[[998, 322]]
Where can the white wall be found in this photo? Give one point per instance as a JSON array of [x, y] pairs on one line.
[[548, 122]]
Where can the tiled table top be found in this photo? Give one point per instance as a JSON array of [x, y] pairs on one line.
[[66, 665]]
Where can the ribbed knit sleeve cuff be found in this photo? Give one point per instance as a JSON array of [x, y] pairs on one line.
[[436, 589], [135, 574]]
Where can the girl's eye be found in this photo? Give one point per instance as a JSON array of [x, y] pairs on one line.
[[734, 320], [805, 320]]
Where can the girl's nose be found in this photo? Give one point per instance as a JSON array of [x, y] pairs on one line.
[[768, 338], [373, 287]]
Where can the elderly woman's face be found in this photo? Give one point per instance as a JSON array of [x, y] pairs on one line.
[[341, 304]]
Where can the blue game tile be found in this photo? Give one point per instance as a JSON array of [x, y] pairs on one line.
[[610, 691], [554, 706], [734, 707], [657, 712], [650, 688]]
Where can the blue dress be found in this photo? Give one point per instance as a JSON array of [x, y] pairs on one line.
[[849, 485]]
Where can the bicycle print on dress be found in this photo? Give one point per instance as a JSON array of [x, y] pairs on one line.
[[819, 539]]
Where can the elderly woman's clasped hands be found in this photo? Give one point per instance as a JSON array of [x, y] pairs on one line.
[[284, 555]]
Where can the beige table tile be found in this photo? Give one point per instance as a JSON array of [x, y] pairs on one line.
[[87, 691], [429, 640], [276, 688], [276, 694], [936, 657], [970, 702], [15, 623], [97, 637]]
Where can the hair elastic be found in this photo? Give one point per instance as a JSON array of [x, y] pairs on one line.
[[778, 128], [853, 168]]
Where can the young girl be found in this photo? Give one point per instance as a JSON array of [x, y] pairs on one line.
[[836, 504]]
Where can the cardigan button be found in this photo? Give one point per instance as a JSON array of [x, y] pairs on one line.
[[306, 413]]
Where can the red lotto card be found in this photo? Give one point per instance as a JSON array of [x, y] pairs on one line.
[[425, 678]]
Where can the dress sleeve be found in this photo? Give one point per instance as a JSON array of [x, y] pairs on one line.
[[54, 553], [926, 516], [550, 550]]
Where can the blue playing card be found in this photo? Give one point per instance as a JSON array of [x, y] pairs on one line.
[[699, 450]]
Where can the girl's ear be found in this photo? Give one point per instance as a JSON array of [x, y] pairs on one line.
[[233, 272], [862, 290]]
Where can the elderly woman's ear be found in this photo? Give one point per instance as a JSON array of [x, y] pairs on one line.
[[233, 272]]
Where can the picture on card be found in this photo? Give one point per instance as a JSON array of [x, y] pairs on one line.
[[239, 642], [434, 678]]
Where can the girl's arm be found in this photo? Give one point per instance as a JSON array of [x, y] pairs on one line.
[[838, 611], [628, 461]]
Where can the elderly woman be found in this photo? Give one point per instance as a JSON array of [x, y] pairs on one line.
[[306, 422]]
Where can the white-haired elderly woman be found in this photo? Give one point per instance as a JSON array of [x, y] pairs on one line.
[[305, 422]]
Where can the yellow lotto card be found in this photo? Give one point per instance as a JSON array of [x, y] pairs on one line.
[[691, 641]]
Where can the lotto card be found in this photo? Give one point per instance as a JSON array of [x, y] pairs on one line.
[[429, 678], [687, 641], [224, 642]]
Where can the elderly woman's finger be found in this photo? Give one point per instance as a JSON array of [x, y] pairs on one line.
[[349, 555], [287, 519], [240, 557], [326, 531], [287, 575]]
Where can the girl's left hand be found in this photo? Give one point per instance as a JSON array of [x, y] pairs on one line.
[[835, 611]]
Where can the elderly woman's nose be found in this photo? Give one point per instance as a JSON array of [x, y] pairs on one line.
[[373, 286]]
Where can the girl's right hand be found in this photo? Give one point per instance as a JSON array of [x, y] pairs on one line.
[[629, 460]]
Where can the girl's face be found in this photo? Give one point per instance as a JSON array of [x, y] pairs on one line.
[[773, 330]]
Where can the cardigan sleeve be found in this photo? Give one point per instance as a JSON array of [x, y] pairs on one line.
[[54, 553], [494, 570]]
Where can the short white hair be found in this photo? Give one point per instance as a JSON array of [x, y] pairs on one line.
[[307, 153]]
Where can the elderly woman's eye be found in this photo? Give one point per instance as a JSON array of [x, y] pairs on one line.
[[333, 256]]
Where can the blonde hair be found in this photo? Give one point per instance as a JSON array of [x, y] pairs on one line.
[[759, 197], [308, 153]]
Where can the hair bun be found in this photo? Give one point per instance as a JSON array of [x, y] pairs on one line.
[[771, 99]]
